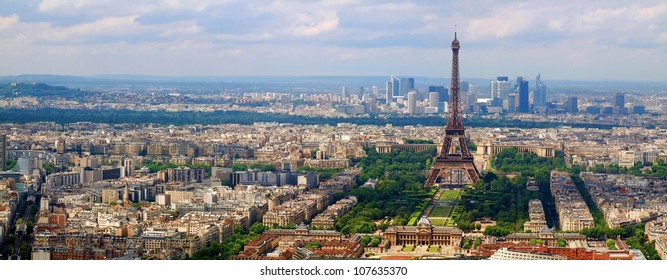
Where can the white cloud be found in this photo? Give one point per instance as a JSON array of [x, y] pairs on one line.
[[124, 7], [504, 23], [6, 22], [312, 25], [652, 12]]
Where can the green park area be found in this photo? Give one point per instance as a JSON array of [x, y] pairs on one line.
[[450, 195]]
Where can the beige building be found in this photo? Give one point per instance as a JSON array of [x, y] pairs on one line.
[[283, 216], [423, 234], [537, 219], [573, 213], [110, 196], [178, 196]]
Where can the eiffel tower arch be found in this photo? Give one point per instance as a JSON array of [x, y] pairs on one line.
[[454, 164]]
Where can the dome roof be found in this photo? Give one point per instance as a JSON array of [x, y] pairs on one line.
[[423, 221]]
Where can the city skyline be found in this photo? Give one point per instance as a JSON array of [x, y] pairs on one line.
[[565, 40]]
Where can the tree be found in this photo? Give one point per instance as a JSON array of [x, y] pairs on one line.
[[562, 242], [258, 228], [611, 244], [365, 240], [466, 244], [477, 242], [49, 167], [375, 241]]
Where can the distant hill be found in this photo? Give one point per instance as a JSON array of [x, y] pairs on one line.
[[17, 89]]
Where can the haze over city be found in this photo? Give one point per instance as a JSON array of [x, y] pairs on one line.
[[569, 40]]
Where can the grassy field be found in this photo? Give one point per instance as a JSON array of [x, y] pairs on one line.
[[439, 222], [408, 248], [441, 211], [434, 249], [450, 195]]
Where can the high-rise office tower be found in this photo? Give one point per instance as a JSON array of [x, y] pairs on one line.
[[412, 102], [395, 90], [501, 88], [407, 84], [522, 89], [3, 152], [464, 86], [572, 106], [619, 103], [433, 99], [540, 93], [443, 93], [511, 103], [473, 93], [361, 92], [389, 93]]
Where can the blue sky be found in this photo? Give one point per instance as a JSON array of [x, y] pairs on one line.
[[577, 40]]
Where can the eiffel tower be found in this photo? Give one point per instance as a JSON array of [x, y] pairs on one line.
[[454, 161]]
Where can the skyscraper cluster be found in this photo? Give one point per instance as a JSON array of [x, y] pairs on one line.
[[517, 97], [401, 95]]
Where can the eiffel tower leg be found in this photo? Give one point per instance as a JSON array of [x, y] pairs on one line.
[[432, 177]]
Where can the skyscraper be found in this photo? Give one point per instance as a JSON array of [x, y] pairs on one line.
[[511, 103], [473, 92], [522, 90], [464, 86], [412, 102], [392, 88], [443, 93], [540, 93], [433, 99], [407, 84], [501, 88], [3, 152], [619, 103], [389, 95], [572, 106], [343, 92]]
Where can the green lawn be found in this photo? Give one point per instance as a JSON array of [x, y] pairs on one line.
[[439, 222], [441, 211], [450, 195], [408, 248], [434, 249]]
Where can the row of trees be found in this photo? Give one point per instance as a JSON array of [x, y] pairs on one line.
[[653, 169], [325, 173], [63, 116]]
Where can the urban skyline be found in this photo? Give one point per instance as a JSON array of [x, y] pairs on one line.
[[564, 40]]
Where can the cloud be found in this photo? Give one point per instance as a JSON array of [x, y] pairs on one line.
[[312, 25], [558, 38], [504, 23], [124, 7], [652, 12], [6, 22]]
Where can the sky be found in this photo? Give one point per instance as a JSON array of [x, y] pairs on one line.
[[563, 40]]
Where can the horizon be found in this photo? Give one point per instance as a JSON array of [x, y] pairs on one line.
[[120, 77], [567, 40]]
